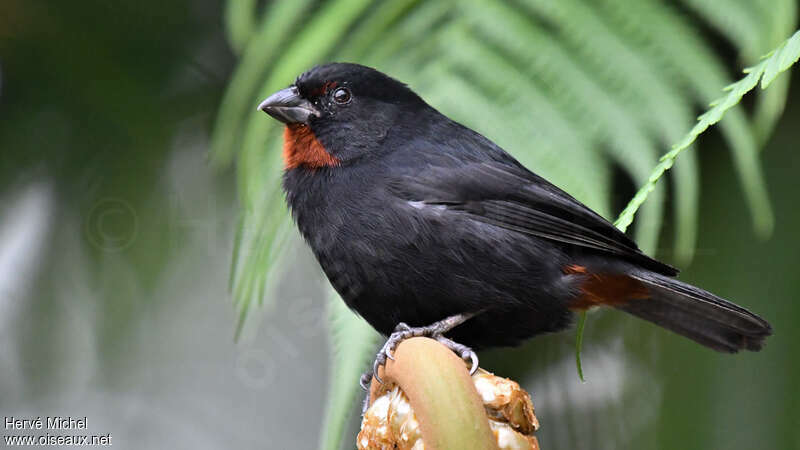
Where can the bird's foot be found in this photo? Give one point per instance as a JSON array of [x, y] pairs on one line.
[[466, 353], [435, 331]]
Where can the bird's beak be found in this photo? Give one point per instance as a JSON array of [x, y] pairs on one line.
[[288, 106]]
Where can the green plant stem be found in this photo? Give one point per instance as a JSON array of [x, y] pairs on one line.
[[579, 343]]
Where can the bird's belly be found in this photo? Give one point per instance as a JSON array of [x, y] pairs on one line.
[[419, 281]]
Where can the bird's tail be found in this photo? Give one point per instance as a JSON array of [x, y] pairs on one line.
[[697, 314]]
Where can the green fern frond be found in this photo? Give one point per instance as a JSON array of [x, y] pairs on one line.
[[660, 108], [262, 47], [677, 50], [240, 21], [755, 27], [611, 123], [408, 32], [734, 19], [372, 27], [352, 344], [776, 62], [559, 141]]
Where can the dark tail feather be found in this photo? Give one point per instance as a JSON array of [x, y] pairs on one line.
[[698, 315]]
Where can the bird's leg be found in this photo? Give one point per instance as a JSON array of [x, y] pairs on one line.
[[435, 330]]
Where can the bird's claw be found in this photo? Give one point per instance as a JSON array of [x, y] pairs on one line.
[[434, 331], [401, 327], [466, 353], [366, 379], [403, 332]]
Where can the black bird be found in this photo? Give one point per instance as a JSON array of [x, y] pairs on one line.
[[426, 227]]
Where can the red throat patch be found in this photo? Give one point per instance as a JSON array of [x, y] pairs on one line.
[[301, 148], [605, 289]]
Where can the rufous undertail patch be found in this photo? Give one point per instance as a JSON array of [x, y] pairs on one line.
[[605, 289]]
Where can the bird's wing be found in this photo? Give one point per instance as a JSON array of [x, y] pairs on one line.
[[514, 198]]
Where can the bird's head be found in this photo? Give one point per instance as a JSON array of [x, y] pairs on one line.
[[336, 113]]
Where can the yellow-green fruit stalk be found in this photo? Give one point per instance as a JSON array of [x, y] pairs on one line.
[[429, 401]]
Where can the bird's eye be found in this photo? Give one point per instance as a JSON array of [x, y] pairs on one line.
[[342, 96]]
